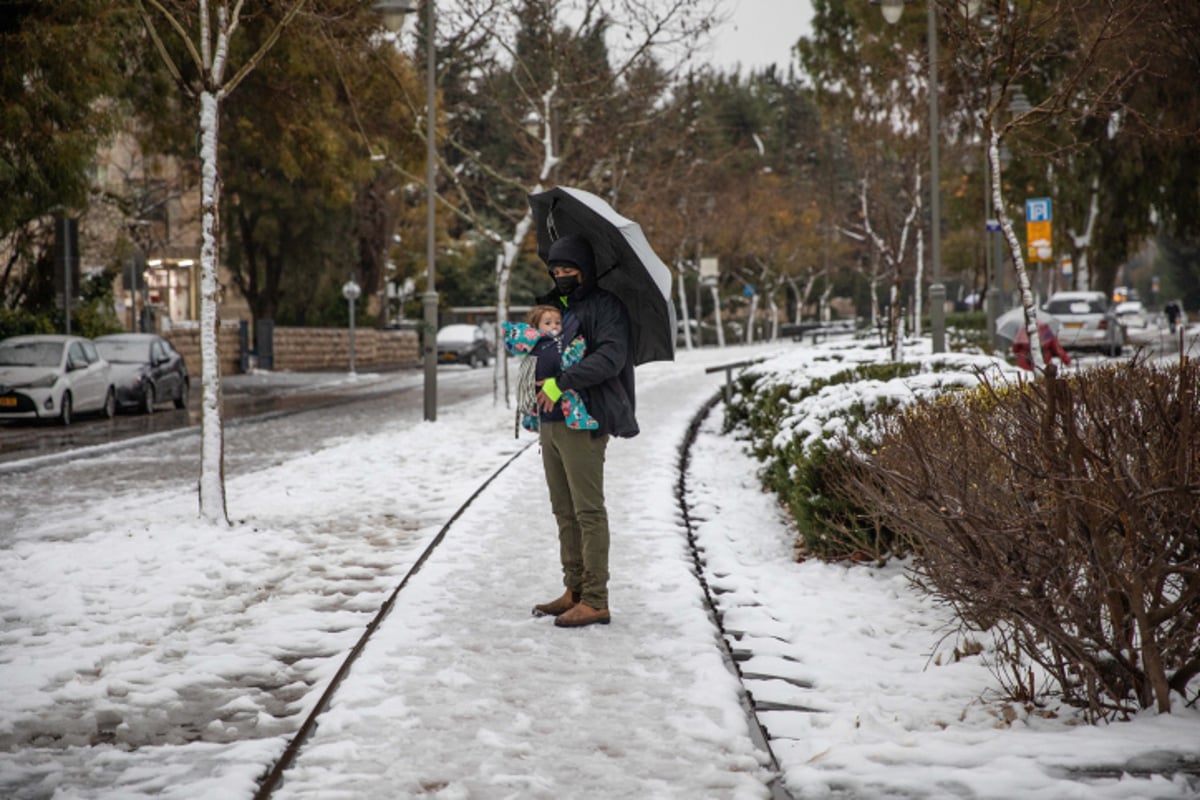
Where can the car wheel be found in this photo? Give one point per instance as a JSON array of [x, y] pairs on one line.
[[110, 404], [64, 412], [148, 399], [182, 398]]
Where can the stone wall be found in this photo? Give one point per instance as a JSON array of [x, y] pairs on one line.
[[306, 349], [186, 339], [302, 349]]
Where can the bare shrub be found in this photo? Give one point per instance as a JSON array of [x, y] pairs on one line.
[[1064, 515]]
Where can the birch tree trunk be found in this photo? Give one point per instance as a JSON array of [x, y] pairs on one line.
[[1014, 246], [716, 297], [683, 311], [1083, 242], [500, 367], [823, 308], [212, 432], [210, 60], [748, 337], [919, 280]]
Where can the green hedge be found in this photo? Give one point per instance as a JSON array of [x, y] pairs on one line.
[[830, 526]]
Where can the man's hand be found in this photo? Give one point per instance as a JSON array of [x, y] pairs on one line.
[[548, 394]]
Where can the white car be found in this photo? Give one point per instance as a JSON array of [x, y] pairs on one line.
[[1088, 322], [53, 377], [1139, 325]]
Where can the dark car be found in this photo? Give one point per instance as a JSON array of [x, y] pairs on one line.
[[464, 344], [146, 370]]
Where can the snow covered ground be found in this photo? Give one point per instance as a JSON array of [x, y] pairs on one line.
[[143, 653]]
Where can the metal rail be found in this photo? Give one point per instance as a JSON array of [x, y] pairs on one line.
[[758, 732], [270, 781], [729, 368]]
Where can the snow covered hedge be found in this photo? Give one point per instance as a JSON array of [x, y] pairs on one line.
[[1062, 514], [796, 411]]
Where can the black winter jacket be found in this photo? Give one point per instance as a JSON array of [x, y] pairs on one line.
[[604, 377]]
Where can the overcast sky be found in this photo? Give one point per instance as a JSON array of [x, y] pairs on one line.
[[760, 32]]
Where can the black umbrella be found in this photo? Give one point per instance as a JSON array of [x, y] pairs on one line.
[[626, 265]]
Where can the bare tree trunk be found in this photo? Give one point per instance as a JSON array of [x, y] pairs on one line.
[[212, 434], [919, 279], [500, 368], [873, 283], [1014, 246], [210, 60], [748, 336], [683, 310], [774, 311], [717, 316], [1083, 242], [897, 319]]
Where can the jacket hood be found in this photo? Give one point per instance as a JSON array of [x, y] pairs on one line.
[[575, 251]]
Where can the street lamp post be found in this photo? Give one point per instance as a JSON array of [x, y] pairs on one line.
[[392, 12], [351, 291], [937, 291]]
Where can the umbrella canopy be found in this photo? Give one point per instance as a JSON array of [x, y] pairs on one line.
[[1008, 323], [626, 265]]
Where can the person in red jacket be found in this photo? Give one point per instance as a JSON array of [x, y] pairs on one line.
[[1050, 347]]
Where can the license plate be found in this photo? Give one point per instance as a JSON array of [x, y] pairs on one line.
[[8, 402], [1072, 324]]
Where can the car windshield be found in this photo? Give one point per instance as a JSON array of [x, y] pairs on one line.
[[458, 333], [1075, 306], [31, 354], [119, 352]]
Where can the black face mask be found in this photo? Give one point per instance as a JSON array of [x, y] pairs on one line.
[[565, 284]]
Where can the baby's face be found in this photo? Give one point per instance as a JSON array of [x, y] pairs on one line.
[[550, 324]]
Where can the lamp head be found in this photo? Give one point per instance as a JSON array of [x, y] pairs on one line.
[[892, 9], [392, 12]]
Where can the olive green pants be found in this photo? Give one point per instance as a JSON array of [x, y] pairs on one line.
[[574, 464]]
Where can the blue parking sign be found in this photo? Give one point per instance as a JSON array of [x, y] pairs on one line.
[[1037, 209]]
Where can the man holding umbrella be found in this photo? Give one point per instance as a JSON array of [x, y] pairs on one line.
[[574, 459]]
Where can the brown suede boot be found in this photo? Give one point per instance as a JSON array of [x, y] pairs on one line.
[[583, 614], [556, 607]]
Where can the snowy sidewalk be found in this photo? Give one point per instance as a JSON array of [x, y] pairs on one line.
[[463, 694]]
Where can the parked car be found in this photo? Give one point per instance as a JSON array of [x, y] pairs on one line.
[[146, 370], [464, 344], [1132, 314], [1088, 322], [53, 377]]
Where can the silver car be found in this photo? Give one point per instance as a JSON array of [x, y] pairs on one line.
[[1088, 322], [464, 344], [53, 377]]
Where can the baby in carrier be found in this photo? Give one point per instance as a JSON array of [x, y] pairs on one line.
[[552, 348]]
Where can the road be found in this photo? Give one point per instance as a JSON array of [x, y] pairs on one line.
[[245, 397], [267, 419]]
